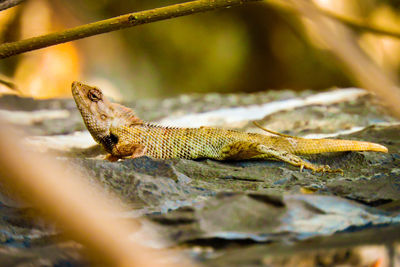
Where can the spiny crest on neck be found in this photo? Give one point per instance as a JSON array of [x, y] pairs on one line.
[[126, 115]]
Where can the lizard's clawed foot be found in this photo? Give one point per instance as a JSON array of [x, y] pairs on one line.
[[325, 168], [339, 171], [319, 168], [111, 158]]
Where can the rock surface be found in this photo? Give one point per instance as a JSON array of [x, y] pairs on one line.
[[213, 209]]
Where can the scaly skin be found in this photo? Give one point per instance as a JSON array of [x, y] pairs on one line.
[[123, 135]]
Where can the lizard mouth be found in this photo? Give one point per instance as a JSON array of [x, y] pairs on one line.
[[78, 92], [76, 88]]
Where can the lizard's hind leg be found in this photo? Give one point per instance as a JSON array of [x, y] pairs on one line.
[[273, 154], [241, 150]]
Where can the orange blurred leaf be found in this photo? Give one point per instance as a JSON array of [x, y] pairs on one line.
[[45, 73]]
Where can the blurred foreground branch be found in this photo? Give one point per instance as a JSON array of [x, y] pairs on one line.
[[5, 4], [113, 24], [83, 212], [343, 44], [349, 21]]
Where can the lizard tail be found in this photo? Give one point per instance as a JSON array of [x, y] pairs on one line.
[[313, 146]]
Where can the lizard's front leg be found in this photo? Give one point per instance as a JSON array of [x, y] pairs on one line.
[[126, 150]]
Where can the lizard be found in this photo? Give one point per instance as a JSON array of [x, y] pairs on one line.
[[123, 135]]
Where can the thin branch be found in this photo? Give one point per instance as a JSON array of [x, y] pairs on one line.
[[349, 21], [343, 44], [108, 25], [5, 4], [148, 16]]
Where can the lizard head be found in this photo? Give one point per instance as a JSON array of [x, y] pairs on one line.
[[100, 115], [97, 112]]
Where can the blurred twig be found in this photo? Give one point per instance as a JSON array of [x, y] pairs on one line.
[[9, 83], [108, 25], [349, 21], [83, 212], [343, 44], [5, 4]]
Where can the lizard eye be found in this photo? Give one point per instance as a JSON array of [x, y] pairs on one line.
[[103, 117], [94, 95]]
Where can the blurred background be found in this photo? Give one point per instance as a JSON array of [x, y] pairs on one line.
[[259, 46]]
